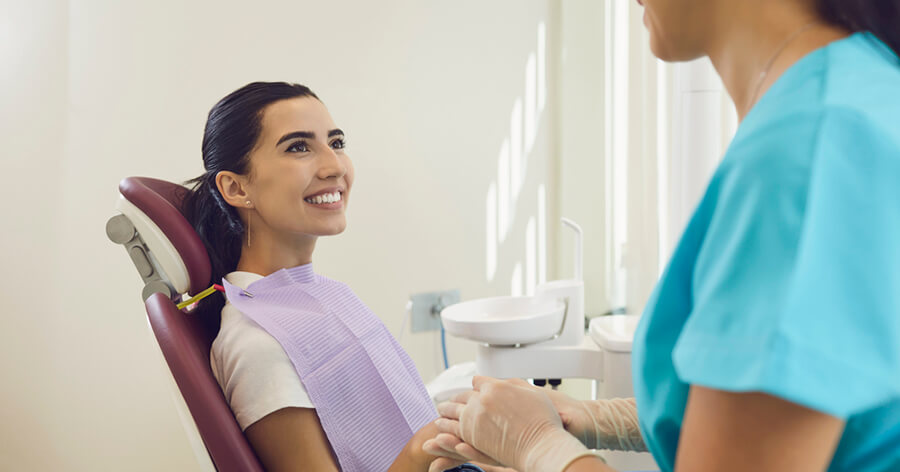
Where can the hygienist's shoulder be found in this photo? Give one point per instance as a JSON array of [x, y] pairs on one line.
[[863, 78], [849, 90], [792, 144]]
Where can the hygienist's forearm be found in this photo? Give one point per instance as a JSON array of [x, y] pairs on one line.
[[599, 424], [613, 425]]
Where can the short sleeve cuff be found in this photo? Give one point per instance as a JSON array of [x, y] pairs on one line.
[[822, 381]]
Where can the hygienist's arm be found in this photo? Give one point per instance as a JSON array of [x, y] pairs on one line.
[[754, 431], [747, 432], [292, 439]]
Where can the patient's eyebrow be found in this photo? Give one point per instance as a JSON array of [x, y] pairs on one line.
[[308, 135], [297, 134]]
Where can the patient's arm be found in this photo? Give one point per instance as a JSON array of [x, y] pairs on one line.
[[292, 439]]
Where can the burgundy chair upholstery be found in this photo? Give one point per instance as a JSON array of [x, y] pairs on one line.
[[186, 338], [161, 202]]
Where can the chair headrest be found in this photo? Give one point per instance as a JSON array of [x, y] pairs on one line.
[[154, 207]]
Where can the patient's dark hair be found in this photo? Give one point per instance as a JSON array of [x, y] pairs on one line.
[[232, 128], [880, 17]]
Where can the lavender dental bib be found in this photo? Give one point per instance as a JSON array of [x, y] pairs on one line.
[[365, 388]]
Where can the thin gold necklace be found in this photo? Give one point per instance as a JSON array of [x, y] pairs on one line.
[[781, 47]]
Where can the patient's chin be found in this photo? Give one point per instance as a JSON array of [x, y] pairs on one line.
[[334, 228]]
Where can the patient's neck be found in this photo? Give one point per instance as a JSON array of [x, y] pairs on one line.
[[267, 253]]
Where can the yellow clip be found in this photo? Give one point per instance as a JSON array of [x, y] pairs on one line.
[[196, 298]]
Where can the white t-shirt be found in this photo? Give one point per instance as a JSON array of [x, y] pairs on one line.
[[252, 369]]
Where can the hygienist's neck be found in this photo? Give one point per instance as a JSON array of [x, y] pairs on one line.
[[267, 253], [747, 34]]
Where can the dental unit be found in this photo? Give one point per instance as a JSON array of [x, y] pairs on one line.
[[543, 337]]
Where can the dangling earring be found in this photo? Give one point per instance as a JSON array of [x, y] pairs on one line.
[[249, 217]]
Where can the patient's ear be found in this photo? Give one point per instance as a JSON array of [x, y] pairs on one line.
[[232, 186]]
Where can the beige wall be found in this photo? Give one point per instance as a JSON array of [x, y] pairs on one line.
[[32, 133], [94, 91]]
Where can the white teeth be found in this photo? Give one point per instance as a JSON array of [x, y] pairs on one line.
[[325, 198]]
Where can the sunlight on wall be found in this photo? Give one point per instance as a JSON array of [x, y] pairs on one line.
[[617, 67], [517, 164], [503, 194], [541, 66], [530, 102], [530, 256], [491, 231], [515, 282], [503, 207], [542, 234]]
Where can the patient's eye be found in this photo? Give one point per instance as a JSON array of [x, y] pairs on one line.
[[338, 143], [298, 146]]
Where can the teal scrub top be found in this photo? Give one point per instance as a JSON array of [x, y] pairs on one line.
[[787, 278]]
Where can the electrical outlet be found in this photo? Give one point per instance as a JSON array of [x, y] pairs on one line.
[[426, 309]]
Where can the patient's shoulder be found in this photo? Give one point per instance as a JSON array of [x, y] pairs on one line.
[[241, 339], [255, 374]]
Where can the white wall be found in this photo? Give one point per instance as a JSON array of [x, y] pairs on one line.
[[702, 122], [95, 90], [582, 165], [32, 130]]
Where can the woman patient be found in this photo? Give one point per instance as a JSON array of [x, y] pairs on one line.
[[314, 379]]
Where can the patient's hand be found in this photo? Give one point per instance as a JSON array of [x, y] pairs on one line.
[[442, 463], [493, 468], [413, 458], [419, 459], [427, 462], [450, 445]]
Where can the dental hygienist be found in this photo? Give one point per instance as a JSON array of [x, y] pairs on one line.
[[772, 341]]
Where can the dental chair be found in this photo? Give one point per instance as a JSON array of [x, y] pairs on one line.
[[172, 261]]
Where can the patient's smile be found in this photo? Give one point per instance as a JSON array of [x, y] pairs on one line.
[[326, 199]]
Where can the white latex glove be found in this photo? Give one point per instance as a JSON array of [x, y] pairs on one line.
[[515, 425], [598, 424]]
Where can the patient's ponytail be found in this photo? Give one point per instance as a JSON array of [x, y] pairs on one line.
[[880, 17], [232, 128]]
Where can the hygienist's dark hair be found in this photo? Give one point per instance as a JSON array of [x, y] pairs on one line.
[[232, 129], [880, 17]]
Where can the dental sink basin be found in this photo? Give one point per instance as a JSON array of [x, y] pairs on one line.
[[505, 321]]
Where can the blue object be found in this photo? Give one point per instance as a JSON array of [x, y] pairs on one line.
[[444, 347], [787, 279], [466, 468]]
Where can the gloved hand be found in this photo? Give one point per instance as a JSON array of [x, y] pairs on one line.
[[598, 424], [514, 425]]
